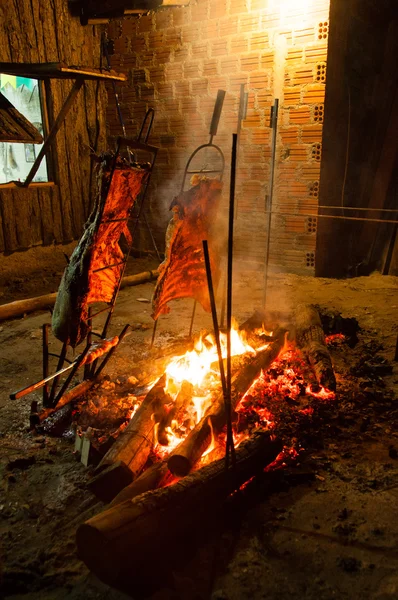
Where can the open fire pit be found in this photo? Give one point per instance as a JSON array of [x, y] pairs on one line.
[[174, 441]]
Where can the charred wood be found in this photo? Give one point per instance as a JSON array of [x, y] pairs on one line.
[[131, 449], [310, 339], [122, 544]]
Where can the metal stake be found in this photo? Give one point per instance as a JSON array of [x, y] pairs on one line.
[[45, 364], [230, 440], [192, 319], [274, 125]]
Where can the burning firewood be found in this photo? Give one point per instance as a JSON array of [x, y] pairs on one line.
[[86, 278], [122, 544], [183, 274], [310, 339], [183, 458], [128, 455]]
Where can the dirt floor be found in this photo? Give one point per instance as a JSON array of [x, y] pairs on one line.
[[324, 529]]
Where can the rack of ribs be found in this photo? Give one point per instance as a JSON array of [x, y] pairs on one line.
[[183, 272], [97, 263]]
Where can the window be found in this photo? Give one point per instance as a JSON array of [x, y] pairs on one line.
[[16, 159]]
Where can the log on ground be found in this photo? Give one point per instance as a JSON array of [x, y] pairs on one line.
[[122, 544], [310, 339]]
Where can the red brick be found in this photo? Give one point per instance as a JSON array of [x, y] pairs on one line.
[[210, 67], [147, 92], [189, 106], [192, 69], [236, 80], [155, 40], [145, 23], [217, 83], [300, 115], [259, 41], [180, 15], [311, 134], [200, 87], [258, 80], [181, 54], [200, 11], [189, 33], [228, 26], [261, 136], [173, 38], [305, 35], [249, 62], [253, 119], [122, 45], [238, 6], [229, 64], [292, 96], [182, 88], [316, 53], [219, 48], [209, 30], [302, 76], [264, 98], [267, 60], [156, 74], [145, 59], [218, 8], [249, 23], [289, 135], [200, 50], [161, 56], [294, 56], [165, 90], [174, 72], [314, 94], [163, 18], [239, 44]]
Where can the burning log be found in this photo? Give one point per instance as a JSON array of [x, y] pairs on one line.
[[310, 339], [128, 455], [122, 544], [187, 453], [177, 412]]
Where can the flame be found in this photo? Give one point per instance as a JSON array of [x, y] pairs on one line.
[[195, 365], [199, 367]]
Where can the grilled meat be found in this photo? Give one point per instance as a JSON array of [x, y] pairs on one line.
[[86, 278], [183, 272]]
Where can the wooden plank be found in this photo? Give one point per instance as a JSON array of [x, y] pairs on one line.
[[9, 220], [59, 71]]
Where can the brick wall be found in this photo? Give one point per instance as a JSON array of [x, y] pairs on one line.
[[176, 60]]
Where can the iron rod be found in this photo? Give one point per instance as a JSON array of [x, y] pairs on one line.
[[274, 125], [230, 440], [192, 319], [155, 325], [45, 364], [215, 322], [111, 352], [75, 367], [59, 367]]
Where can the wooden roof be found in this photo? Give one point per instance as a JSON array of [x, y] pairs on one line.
[[14, 127]]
